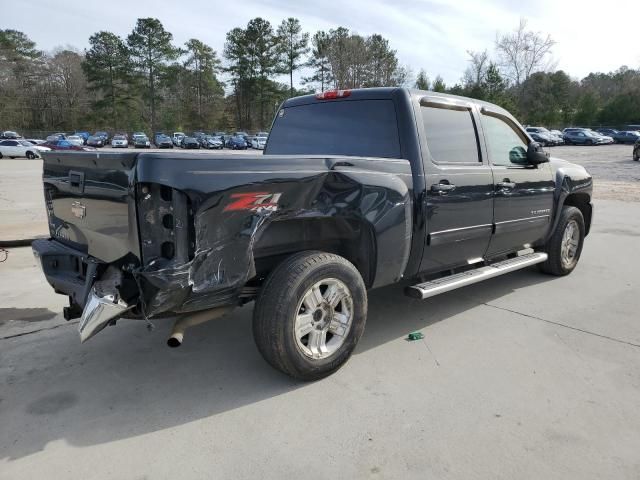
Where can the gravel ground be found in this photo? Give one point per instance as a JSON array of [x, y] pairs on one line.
[[616, 176]]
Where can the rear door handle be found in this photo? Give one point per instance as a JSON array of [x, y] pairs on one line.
[[442, 188]]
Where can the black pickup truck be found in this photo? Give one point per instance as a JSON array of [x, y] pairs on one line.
[[356, 190]]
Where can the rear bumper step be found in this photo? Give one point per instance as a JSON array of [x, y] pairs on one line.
[[446, 284]]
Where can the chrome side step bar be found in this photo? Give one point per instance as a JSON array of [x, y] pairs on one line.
[[446, 284]]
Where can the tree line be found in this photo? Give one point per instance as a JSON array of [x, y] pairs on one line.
[[145, 82]]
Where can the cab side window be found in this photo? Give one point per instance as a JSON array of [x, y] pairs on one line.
[[451, 135], [506, 146]]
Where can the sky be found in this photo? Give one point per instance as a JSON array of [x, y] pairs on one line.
[[433, 35]]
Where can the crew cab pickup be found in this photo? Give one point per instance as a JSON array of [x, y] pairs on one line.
[[356, 190]]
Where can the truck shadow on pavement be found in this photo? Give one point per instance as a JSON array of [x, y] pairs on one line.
[[125, 382]]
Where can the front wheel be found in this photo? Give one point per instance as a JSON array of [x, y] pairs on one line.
[[31, 155], [565, 245], [310, 314]]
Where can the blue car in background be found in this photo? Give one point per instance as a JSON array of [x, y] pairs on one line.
[[237, 143], [626, 136], [84, 135]]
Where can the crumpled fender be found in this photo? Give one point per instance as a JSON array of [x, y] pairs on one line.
[[228, 222]]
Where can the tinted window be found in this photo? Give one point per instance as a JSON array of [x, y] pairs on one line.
[[505, 144], [451, 135], [366, 128]]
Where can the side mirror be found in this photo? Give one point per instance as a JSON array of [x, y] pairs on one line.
[[535, 154]]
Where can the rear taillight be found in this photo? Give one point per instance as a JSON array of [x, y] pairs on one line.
[[333, 94]]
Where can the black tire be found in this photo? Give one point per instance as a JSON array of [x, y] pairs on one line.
[[280, 301], [554, 247], [636, 155], [30, 155], [589, 142], [0, 155]]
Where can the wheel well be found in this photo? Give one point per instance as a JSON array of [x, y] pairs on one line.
[[582, 202], [352, 239]]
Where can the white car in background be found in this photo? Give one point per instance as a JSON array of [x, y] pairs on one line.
[[76, 140], [258, 142], [177, 138], [21, 148], [119, 141]]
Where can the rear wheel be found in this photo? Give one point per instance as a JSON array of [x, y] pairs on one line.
[[310, 314], [31, 155], [565, 245], [636, 154]]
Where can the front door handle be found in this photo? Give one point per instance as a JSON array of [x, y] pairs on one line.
[[506, 185], [442, 188]]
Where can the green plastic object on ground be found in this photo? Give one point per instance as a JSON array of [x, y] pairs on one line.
[[415, 336]]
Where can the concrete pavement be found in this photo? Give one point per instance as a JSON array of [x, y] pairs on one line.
[[525, 376]]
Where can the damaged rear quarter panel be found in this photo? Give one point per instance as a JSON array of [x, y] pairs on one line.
[[234, 199]]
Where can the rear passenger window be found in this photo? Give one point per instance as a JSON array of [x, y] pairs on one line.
[[451, 135]]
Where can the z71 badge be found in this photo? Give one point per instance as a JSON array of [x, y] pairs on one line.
[[254, 202]]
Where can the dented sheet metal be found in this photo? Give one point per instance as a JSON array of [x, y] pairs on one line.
[[231, 204]]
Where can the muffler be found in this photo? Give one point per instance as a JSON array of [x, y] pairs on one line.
[[191, 319]]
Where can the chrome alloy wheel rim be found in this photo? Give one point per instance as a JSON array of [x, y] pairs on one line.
[[323, 318], [570, 241]]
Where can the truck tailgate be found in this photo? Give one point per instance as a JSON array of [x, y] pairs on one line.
[[90, 202]]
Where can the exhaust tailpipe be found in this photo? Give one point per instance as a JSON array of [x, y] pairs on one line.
[[191, 319]]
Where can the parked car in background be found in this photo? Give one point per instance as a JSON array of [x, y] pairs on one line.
[[627, 136], [547, 137], [84, 135], [141, 141], [219, 134], [190, 143], [14, 148], [237, 142], [245, 135], [132, 140], [544, 136], [94, 141], [212, 142], [103, 135], [608, 132], [585, 137], [259, 142], [10, 134], [54, 137], [119, 141], [75, 139], [64, 144], [636, 151], [163, 141], [177, 138]]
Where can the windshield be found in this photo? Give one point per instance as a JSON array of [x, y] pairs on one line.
[[118, 137], [25, 144]]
